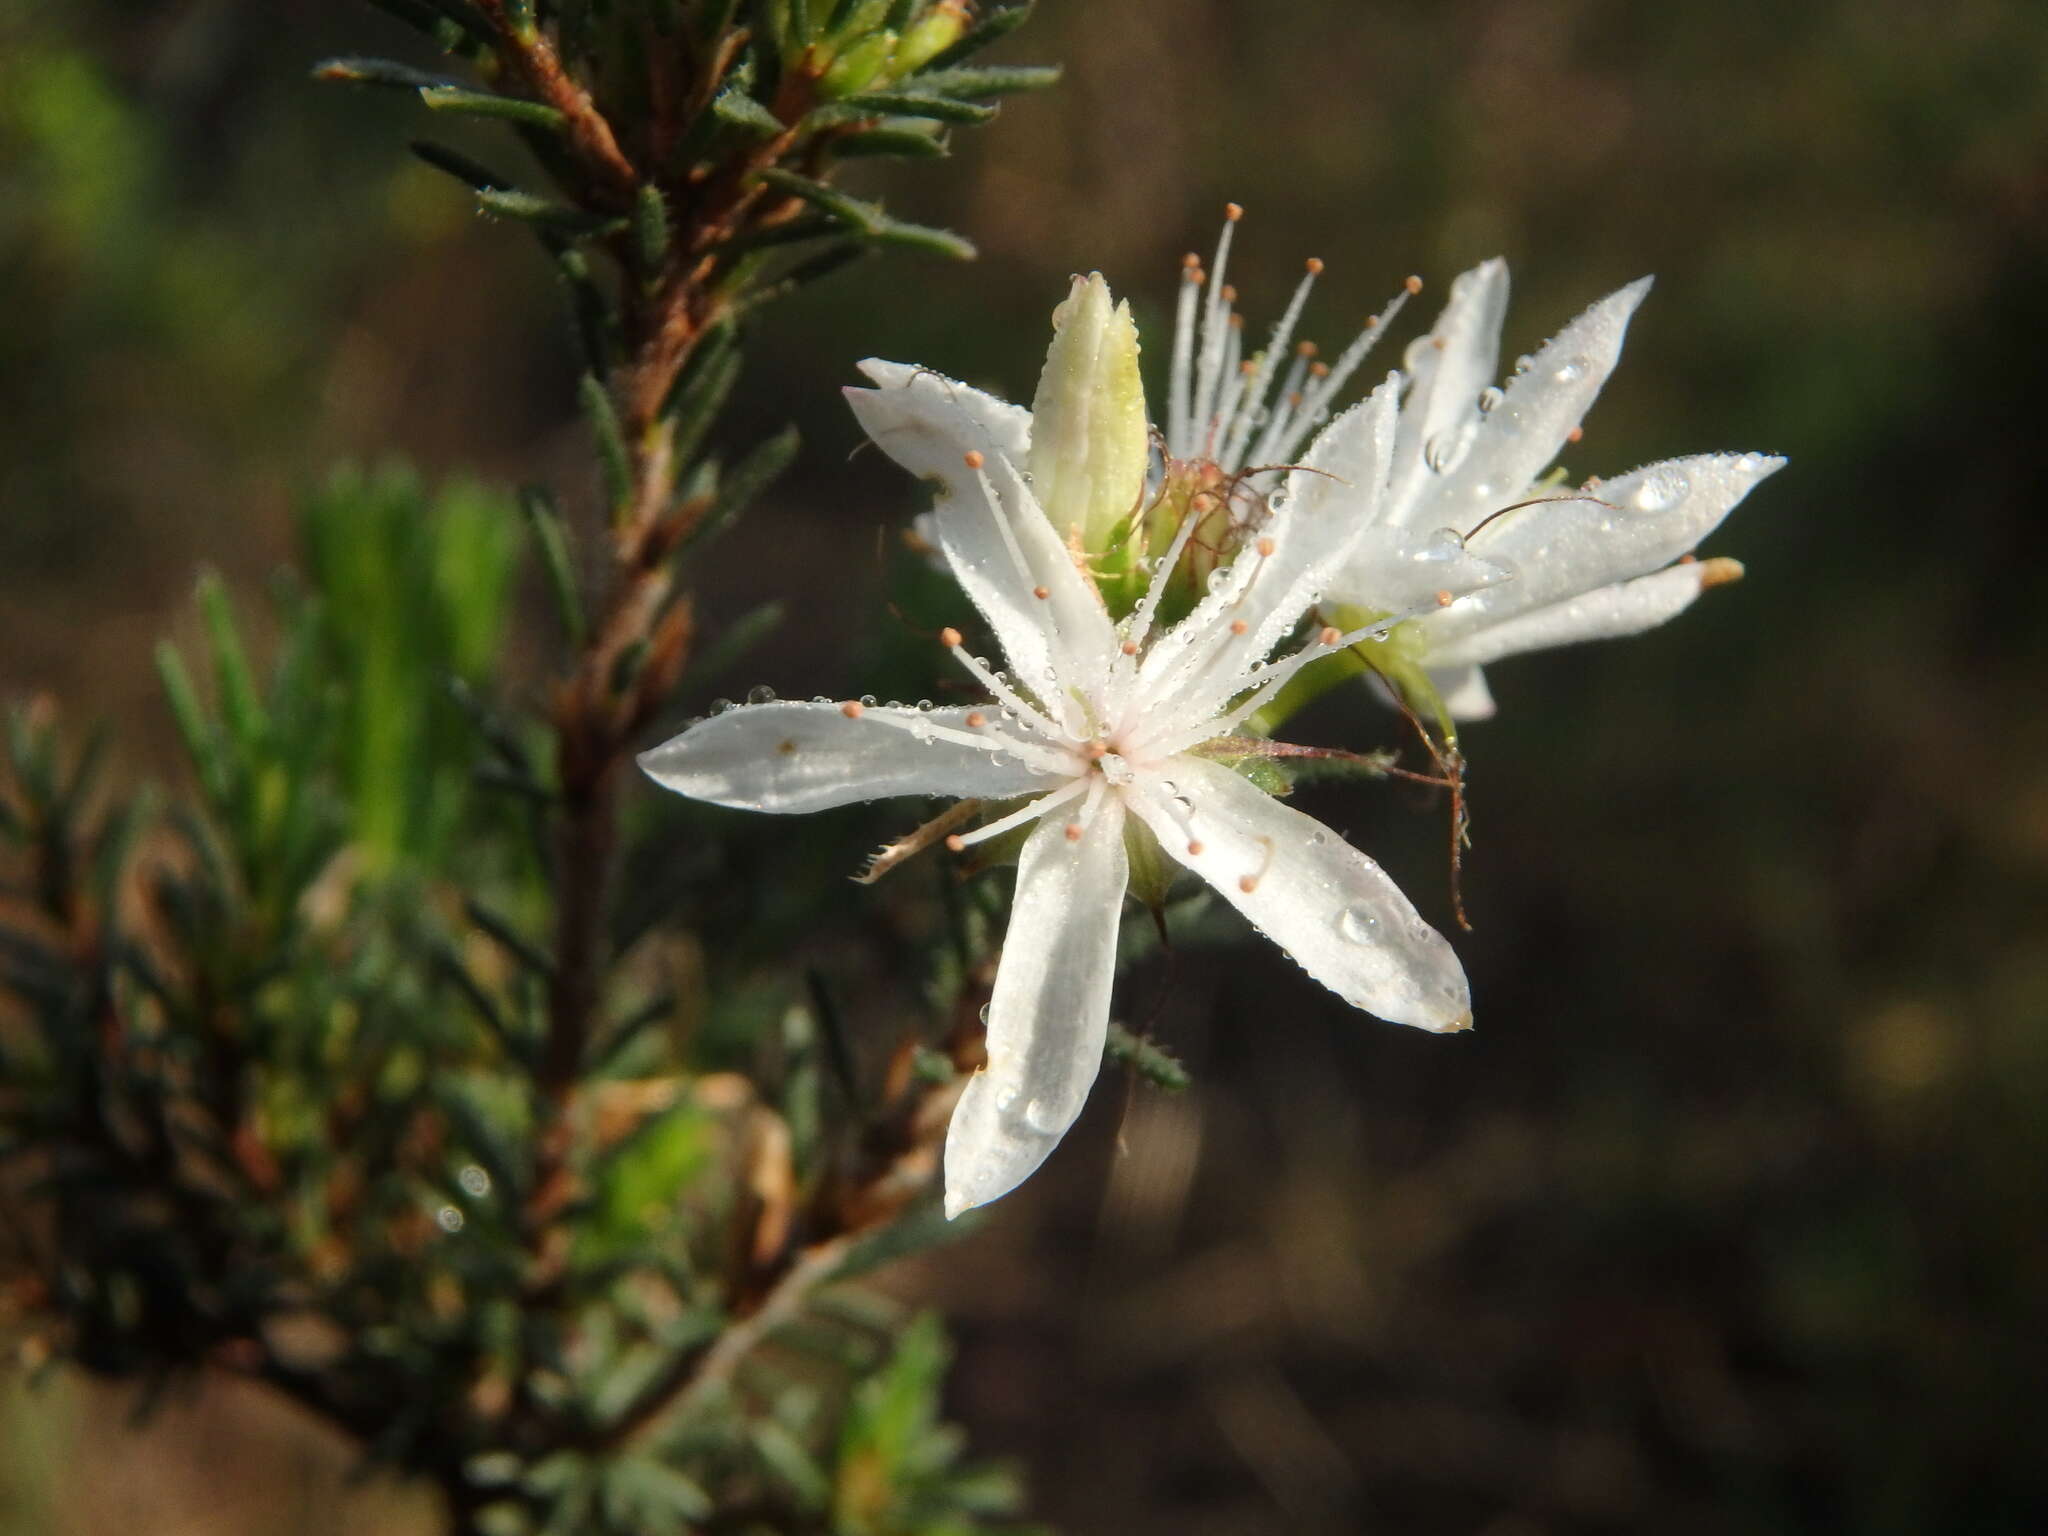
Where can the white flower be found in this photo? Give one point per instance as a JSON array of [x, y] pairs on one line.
[[1099, 726], [1591, 565]]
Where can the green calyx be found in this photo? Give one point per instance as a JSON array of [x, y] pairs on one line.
[[1397, 659]]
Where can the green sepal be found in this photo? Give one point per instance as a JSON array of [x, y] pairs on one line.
[[1152, 872]]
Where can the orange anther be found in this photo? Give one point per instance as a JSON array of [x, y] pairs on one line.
[[853, 709], [974, 458], [949, 637]]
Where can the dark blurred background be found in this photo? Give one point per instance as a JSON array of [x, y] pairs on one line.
[[1730, 1215]]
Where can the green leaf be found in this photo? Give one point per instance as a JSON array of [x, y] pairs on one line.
[[468, 103], [737, 108], [1001, 81], [508, 938], [733, 642], [195, 730], [703, 391], [1157, 1066], [902, 104], [747, 480], [240, 706], [454, 163], [650, 227], [791, 1464], [387, 72], [610, 442], [890, 142], [530, 208], [551, 543]]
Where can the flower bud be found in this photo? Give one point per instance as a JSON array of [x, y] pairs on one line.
[[1089, 438], [930, 35]]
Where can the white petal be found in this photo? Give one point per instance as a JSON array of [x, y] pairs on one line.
[[1008, 426], [1329, 906], [1049, 1012], [1393, 570], [1001, 548], [1572, 545], [1464, 692], [789, 757], [1514, 441], [1326, 508], [1448, 367], [1626, 608]]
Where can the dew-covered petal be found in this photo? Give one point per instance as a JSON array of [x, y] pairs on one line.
[[788, 757], [1447, 369], [1574, 543], [1626, 608], [1049, 1012], [1333, 909], [1323, 511], [999, 545], [1464, 692], [1394, 570], [1513, 442], [1008, 426]]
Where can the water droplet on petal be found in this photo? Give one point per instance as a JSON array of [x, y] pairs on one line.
[[1660, 489], [1524, 363], [720, 706], [1043, 1116], [1490, 397], [760, 693], [1571, 370], [1358, 925]]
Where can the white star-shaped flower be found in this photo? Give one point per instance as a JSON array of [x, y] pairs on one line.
[[1613, 560], [1102, 727]]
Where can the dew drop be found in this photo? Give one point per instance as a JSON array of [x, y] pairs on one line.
[[1043, 1116], [449, 1218], [1571, 370], [1358, 925], [474, 1181], [760, 693], [1661, 489], [1524, 363], [1490, 397], [720, 706]]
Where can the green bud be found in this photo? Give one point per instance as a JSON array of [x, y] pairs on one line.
[[929, 36], [856, 68], [1089, 438]]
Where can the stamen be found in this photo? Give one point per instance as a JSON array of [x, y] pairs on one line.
[[1445, 597], [973, 458], [1330, 635], [1281, 442], [1575, 435], [1265, 548], [1073, 831], [1041, 593], [1004, 694], [1240, 429], [1239, 627], [1209, 370], [1071, 790], [976, 720], [1195, 849], [949, 637], [853, 709], [1249, 883]]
